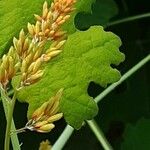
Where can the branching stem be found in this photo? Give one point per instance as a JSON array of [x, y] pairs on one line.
[[11, 105]]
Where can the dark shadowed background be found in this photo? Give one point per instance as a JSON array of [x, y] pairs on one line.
[[124, 115]]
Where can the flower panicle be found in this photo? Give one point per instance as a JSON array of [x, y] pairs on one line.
[[48, 25], [29, 51], [31, 69], [43, 117], [9, 65], [53, 50], [22, 45]]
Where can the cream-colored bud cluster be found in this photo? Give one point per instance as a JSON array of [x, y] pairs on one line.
[[8, 67], [30, 58], [22, 45], [43, 117], [30, 48], [48, 25], [30, 70], [54, 50]]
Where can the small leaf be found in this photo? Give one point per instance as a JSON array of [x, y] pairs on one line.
[[102, 12], [87, 56], [136, 137]]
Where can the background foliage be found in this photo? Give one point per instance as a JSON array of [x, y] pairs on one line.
[[121, 112]]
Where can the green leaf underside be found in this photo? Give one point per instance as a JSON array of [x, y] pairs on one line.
[[15, 14], [86, 57], [136, 137]]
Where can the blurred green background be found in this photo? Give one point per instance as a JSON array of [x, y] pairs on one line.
[[124, 115]]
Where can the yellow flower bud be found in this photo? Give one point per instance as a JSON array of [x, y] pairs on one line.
[[42, 119], [60, 33], [22, 36], [60, 44], [5, 60], [15, 42], [49, 15], [45, 5], [17, 66], [26, 44], [66, 17], [37, 27], [60, 18], [31, 29], [40, 124], [54, 53], [55, 117], [37, 65], [53, 105], [19, 47], [38, 17], [46, 128], [11, 52], [38, 53], [2, 74], [45, 10], [30, 68], [11, 69], [34, 78], [39, 111]]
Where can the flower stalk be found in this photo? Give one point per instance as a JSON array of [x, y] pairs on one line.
[[11, 106]]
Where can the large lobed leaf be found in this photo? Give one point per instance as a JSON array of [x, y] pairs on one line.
[[87, 56], [15, 14]]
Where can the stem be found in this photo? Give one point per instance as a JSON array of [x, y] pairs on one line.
[[19, 130], [14, 137], [99, 134], [62, 140], [128, 19], [5, 99], [11, 106]]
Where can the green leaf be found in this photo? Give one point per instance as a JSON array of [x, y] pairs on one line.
[[83, 6], [137, 136], [87, 57], [15, 14], [102, 12]]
